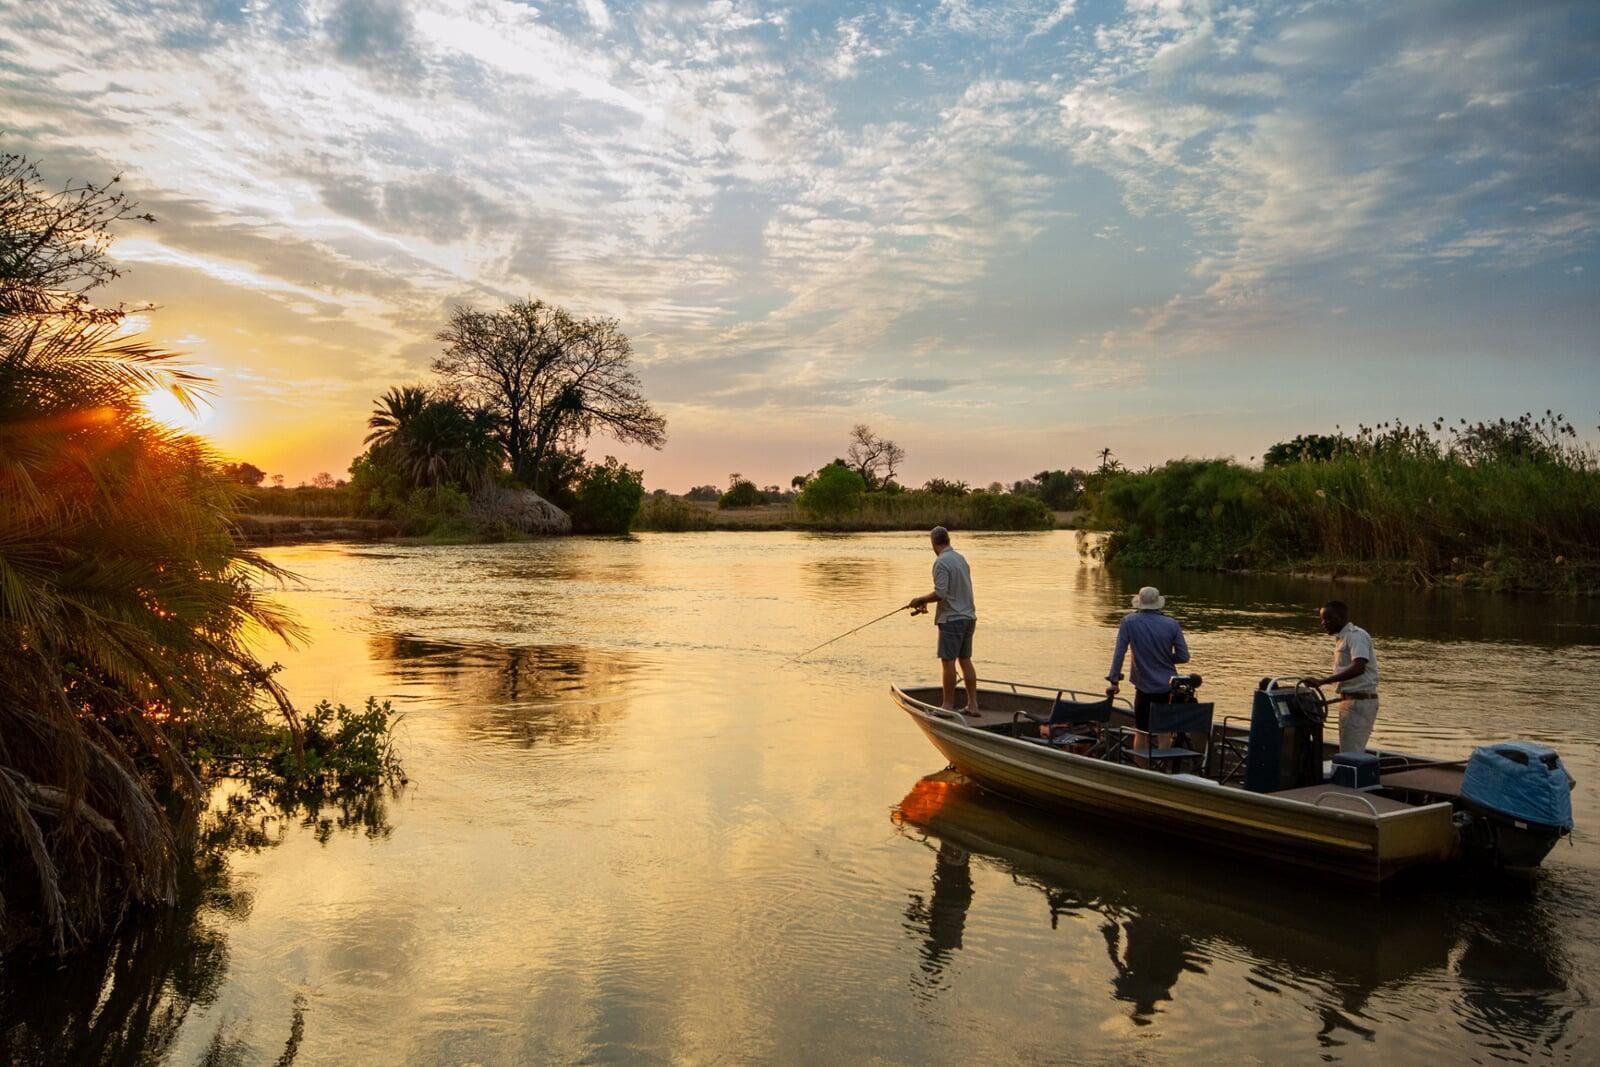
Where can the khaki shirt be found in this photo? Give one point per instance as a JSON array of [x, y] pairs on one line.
[[1350, 644]]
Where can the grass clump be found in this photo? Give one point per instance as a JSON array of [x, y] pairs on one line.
[[670, 514]]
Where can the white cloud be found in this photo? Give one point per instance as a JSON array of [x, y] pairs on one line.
[[807, 193], [598, 15]]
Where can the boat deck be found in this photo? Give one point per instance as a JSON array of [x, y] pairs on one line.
[[1434, 781]]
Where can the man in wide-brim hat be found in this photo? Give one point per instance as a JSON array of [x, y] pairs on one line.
[[1158, 647]]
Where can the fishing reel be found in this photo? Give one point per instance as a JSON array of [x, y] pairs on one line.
[[1183, 687]]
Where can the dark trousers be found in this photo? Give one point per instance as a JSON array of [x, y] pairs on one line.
[[1141, 707]]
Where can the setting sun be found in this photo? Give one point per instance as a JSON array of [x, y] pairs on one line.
[[164, 407]]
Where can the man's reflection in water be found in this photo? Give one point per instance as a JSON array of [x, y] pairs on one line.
[[1149, 958], [943, 915]]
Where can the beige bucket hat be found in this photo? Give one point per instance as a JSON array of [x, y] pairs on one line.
[[1149, 599]]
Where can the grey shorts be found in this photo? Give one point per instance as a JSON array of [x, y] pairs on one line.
[[955, 638]]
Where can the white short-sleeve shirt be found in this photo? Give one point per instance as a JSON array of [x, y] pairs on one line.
[[1350, 644]]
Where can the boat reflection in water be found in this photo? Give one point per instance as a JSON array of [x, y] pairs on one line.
[[1165, 912]]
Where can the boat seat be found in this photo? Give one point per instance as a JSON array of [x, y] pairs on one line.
[[1066, 714], [1192, 720], [1342, 798], [1165, 753]]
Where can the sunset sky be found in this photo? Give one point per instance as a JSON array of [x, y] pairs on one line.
[[1006, 234]]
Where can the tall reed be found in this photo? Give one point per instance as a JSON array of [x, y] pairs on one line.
[[1513, 504]]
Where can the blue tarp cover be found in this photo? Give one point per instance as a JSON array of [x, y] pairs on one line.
[[1533, 791]]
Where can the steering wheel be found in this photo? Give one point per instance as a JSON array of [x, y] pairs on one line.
[[1317, 701]]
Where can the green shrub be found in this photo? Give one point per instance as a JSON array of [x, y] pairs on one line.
[[1006, 511], [440, 511], [607, 498], [834, 493], [742, 493], [342, 748], [377, 489]]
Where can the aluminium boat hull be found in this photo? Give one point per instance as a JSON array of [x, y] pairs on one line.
[[1357, 846]]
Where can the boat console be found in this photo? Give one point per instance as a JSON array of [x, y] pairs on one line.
[[1285, 744]]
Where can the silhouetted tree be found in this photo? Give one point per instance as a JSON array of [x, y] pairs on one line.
[[551, 379], [873, 457], [53, 243], [1311, 448], [433, 440], [244, 473]]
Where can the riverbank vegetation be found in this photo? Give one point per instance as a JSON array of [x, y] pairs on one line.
[[130, 608], [836, 499], [855, 492], [1506, 504], [492, 450]]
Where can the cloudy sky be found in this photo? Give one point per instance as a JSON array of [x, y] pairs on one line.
[[1007, 233]]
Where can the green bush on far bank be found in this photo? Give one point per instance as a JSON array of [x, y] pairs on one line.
[[608, 498], [835, 493], [1480, 505]]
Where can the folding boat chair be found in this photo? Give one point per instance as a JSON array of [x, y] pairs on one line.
[[1065, 721], [1189, 722]]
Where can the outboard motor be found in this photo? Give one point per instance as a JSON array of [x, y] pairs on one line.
[[1285, 737], [1520, 797]]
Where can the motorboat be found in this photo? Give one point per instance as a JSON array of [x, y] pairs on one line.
[[1264, 785]]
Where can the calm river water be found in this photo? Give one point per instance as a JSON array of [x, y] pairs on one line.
[[632, 832]]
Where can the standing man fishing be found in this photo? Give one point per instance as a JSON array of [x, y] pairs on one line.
[[1355, 668], [1158, 647], [956, 618]]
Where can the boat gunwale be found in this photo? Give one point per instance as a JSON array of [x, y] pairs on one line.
[[942, 717]]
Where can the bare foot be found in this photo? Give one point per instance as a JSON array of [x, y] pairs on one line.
[[972, 713]]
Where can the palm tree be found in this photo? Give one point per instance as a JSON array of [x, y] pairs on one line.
[[125, 594], [435, 440], [395, 412]]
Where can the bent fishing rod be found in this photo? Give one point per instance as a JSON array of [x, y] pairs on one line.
[[846, 634]]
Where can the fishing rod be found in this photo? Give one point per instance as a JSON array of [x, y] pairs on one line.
[[846, 634]]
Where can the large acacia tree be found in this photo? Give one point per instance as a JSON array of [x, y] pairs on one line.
[[551, 379], [873, 457]]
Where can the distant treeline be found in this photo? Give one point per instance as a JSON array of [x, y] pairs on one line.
[[906, 510], [859, 491], [1507, 504]]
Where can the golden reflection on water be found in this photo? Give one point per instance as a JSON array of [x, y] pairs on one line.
[[633, 832]]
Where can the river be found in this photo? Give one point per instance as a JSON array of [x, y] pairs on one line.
[[632, 832]]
